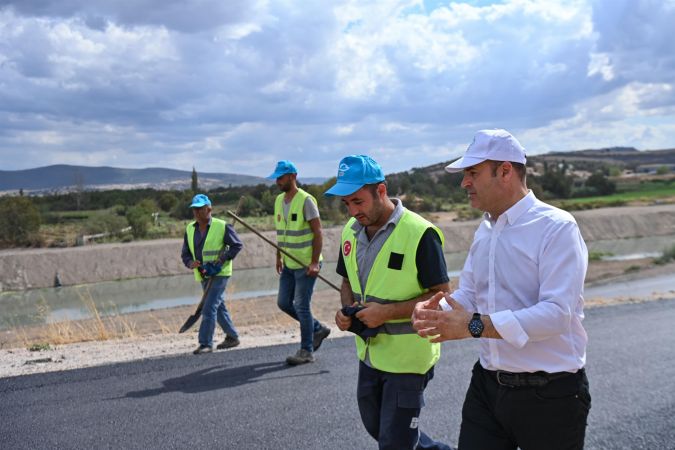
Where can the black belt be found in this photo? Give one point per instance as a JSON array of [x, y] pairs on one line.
[[527, 379]]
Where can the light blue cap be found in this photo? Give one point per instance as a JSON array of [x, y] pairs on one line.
[[200, 200], [354, 172], [283, 167]]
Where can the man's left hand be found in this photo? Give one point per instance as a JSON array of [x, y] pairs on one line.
[[373, 314], [430, 321], [313, 269]]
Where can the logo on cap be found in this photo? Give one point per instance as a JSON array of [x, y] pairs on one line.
[[347, 248], [342, 169]]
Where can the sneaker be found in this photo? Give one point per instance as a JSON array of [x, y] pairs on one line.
[[301, 357], [203, 349], [229, 342], [319, 336]]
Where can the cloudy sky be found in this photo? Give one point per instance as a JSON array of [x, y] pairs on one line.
[[233, 86]]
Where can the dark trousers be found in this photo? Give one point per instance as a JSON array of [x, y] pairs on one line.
[[390, 405], [549, 417]]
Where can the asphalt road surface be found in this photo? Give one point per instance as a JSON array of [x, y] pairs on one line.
[[249, 399]]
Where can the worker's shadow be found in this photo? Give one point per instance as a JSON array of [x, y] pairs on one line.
[[221, 377]]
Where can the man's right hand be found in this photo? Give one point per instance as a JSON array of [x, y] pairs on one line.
[[343, 322], [280, 266], [195, 264]]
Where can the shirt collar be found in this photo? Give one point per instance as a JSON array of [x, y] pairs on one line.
[[521, 207], [196, 224]]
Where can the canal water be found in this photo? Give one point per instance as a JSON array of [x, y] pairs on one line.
[[38, 306]]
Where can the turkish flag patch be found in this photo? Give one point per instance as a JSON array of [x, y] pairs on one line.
[[346, 248]]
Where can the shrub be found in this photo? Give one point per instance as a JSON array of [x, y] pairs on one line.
[[600, 183], [250, 207], [139, 221], [668, 256], [105, 223], [167, 202], [19, 221]]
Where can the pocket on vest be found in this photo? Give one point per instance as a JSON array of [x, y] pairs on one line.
[[395, 261]]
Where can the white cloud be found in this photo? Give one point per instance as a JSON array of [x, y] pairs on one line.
[[600, 65], [241, 84]]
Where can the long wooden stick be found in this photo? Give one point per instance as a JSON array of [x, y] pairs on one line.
[[243, 222]]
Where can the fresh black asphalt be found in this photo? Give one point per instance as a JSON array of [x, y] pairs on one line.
[[249, 399]]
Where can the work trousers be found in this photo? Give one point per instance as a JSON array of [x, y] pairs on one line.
[[294, 298], [213, 311], [499, 417], [390, 405]]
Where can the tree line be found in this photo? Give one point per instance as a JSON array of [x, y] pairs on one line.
[[422, 190]]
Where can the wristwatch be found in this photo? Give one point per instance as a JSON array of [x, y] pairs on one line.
[[476, 326]]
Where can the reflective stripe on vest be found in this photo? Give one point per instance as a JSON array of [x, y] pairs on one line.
[[397, 348], [294, 236], [213, 246]]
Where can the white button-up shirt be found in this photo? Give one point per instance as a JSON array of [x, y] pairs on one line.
[[526, 270]]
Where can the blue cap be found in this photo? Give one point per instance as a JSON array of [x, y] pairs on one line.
[[200, 200], [354, 172], [283, 167]]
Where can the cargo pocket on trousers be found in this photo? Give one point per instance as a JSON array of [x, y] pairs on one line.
[[410, 399]]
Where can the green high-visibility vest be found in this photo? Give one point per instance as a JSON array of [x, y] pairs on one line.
[[213, 246], [294, 233], [393, 278]]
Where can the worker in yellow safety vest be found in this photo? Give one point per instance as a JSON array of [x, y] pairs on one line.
[[390, 259], [296, 218], [209, 246]]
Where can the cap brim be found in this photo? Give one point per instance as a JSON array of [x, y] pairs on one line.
[[198, 205], [462, 163], [341, 189], [276, 175]]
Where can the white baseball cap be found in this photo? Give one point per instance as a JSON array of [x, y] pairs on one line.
[[495, 145]]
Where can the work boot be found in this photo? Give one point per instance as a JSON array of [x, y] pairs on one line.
[[319, 335], [203, 349], [301, 357], [229, 342]]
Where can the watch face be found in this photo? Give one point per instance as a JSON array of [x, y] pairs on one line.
[[476, 326]]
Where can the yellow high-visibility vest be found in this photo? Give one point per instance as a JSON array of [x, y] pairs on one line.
[[393, 278], [213, 246], [294, 233]]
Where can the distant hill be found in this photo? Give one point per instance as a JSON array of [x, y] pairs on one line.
[[63, 177], [626, 157]]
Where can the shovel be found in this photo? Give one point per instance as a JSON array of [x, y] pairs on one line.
[[195, 317]]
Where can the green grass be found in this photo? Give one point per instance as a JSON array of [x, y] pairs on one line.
[[646, 192], [39, 347], [597, 256]]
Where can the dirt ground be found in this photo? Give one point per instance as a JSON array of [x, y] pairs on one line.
[[154, 333]]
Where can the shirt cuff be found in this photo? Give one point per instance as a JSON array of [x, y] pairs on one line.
[[509, 328], [444, 305], [459, 297]]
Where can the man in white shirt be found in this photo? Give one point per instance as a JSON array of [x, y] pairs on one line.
[[520, 292]]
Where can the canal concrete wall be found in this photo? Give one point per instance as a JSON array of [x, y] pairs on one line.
[[37, 268]]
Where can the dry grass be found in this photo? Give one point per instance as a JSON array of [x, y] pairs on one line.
[[98, 328]]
